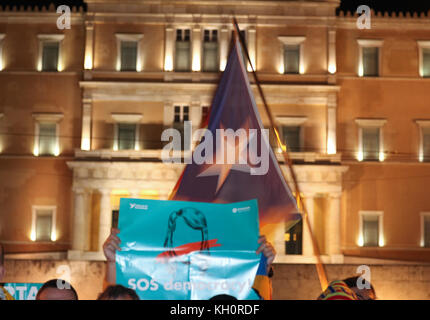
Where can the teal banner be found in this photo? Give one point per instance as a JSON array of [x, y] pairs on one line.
[[188, 250], [23, 291]]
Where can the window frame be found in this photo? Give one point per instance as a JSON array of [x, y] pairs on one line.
[[292, 40], [190, 58], [47, 118], [126, 118], [422, 124], [44, 38], [380, 215], [370, 123], [210, 29], [130, 37], [422, 44], [2, 36], [34, 210], [423, 215], [294, 121], [369, 43]]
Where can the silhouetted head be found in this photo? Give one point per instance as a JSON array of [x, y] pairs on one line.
[[118, 292], [57, 289], [223, 297]]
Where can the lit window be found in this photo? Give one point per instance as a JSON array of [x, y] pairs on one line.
[[43, 223], [426, 62], [425, 229], [369, 57], [371, 229], [370, 140], [126, 131], [46, 139], [2, 35], [292, 132], [424, 58], [210, 51], [292, 55], [50, 53], [129, 52], [424, 149], [292, 58], [126, 136], [294, 239], [371, 62], [183, 50], [128, 55]]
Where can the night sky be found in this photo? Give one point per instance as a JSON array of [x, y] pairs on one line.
[[351, 5]]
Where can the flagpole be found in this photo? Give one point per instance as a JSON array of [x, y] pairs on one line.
[[300, 203]]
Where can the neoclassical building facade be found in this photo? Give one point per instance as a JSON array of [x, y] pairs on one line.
[[83, 111]]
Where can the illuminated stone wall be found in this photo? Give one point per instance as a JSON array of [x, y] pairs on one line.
[[291, 281]]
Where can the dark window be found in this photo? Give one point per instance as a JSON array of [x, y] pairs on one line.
[[50, 56], [292, 59], [128, 55], [181, 115], [205, 113], [370, 231], [291, 135], [370, 61], [371, 143], [126, 136], [294, 239]]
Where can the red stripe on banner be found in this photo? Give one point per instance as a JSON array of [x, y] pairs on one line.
[[187, 248]]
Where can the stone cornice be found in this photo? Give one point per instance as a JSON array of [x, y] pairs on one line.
[[161, 92]]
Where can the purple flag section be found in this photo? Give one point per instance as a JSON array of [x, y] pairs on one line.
[[234, 108]]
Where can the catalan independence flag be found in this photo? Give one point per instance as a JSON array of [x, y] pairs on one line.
[[234, 107]]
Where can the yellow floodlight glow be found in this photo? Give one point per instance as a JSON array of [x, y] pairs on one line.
[[360, 156], [53, 235], [332, 68], [85, 144], [36, 150], [381, 156], [331, 147], [360, 71], [360, 241], [168, 63], [381, 241], [196, 62], [33, 235], [88, 65]]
